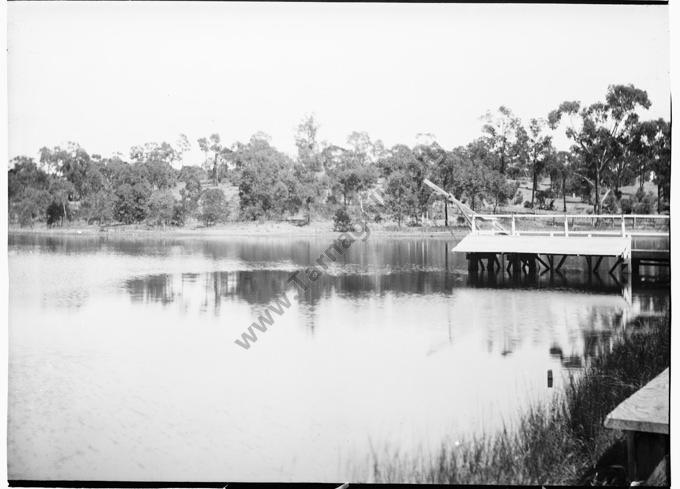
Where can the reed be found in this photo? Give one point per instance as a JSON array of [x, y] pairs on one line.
[[555, 444]]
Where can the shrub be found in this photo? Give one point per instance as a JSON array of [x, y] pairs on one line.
[[341, 221], [626, 205], [179, 214], [161, 207], [98, 206], [55, 213], [213, 207], [645, 203], [519, 198], [131, 202]]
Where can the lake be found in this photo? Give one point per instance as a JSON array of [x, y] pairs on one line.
[[123, 363]]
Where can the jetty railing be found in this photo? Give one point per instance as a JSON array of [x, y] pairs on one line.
[[637, 225]]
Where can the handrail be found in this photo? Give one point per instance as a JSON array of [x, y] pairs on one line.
[[574, 216], [565, 218]]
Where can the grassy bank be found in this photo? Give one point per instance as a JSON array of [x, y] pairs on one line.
[[560, 444], [239, 229]]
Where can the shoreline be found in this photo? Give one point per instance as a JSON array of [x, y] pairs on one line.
[[269, 229]]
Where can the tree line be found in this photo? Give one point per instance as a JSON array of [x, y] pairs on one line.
[[611, 148]]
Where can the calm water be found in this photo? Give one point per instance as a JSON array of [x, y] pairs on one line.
[[123, 363]]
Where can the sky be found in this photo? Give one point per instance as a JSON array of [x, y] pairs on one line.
[[112, 75]]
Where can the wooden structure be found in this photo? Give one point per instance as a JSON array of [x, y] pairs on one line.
[[552, 240], [469, 215], [552, 236], [644, 418]]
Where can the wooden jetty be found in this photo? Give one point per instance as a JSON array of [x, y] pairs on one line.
[[545, 245], [644, 418], [529, 241]]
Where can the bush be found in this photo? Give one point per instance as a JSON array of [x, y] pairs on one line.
[[131, 202], [213, 207], [645, 203], [341, 221], [626, 205], [161, 207], [98, 206], [527, 205], [610, 204], [55, 213], [519, 198], [179, 214]]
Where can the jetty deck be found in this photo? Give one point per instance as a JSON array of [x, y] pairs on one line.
[[646, 410], [644, 418], [545, 245], [528, 242]]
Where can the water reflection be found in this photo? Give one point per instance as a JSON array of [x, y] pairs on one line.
[[123, 346], [509, 310]]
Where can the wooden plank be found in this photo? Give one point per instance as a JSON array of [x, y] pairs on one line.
[[646, 410]]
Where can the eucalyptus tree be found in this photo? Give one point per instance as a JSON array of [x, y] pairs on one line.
[[661, 162], [71, 163], [183, 146], [401, 193], [500, 134], [599, 129], [560, 168], [309, 151], [213, 145], [539, 150], [264, 177], [309, 169]]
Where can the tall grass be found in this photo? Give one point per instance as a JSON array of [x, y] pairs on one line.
[[556, 444]]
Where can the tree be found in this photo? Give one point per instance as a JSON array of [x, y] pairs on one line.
[[309, 154], [163, 152], [538, 152], [98, 207], [661, 162], [479, 178], [30, 206], [71, 162], [405, 170], [131, 202], [183, 146], [161, 207], [187, 173], [560, 167], [23, 174], [59, 190], [160, 175], [265, 180], [445, 174], [190, 196], [213, 144], [213, 206], [400, 197], [500, 134], [350, 170], [598, 131]]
